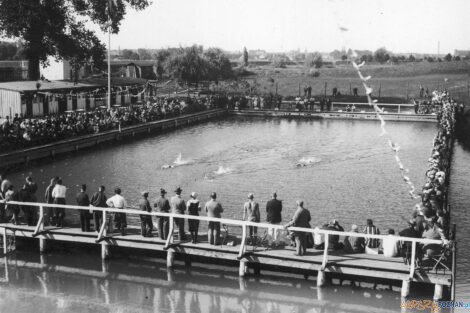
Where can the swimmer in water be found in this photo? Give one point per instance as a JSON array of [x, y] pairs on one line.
[[167, 166]]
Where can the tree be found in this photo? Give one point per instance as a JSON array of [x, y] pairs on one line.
[[314, 60], [367, 58], [245, 57], [144, 54], [457, 58], [448, 57], [7, 50], [381, 55], [58, 28], [411, 58], [344, 57], [218, 65]]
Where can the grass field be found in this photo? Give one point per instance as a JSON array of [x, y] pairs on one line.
[[400, 81]]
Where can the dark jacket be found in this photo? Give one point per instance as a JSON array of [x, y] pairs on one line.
[[99, 200], [144, 205], [162, 204], [301, 218], [273, 210], [82, 199]]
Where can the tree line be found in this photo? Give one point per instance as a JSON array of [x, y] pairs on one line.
[[192, 64]]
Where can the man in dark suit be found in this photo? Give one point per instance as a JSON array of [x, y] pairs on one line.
[[273, 214], [83, 200], [98, 200]]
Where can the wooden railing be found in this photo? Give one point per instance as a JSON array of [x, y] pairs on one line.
[[39, 229]]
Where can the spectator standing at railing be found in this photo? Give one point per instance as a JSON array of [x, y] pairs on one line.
[[163, 224], [14, 209], [178, 206], [301, 219], [50, 199], [194, 207], [273, 215], [213, 209], [59, 193], [120, 219], [146, 224], [28, 211], [98, 200], [4, 184], [372, 244], [251, 213], [83, 200]]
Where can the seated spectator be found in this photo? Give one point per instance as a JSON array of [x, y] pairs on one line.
[[319, 239], [433, 231], [333, 240], [354, 244], [390, 245], [372, 244]]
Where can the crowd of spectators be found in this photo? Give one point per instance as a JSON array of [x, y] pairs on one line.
[[19, 132]]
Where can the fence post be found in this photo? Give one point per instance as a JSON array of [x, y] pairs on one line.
[[5, 243], [243, 269], [321, 273], [103, 233], [42, 241]]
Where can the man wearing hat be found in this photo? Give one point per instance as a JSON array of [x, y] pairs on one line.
[[251, 214], [83, 200], [162, 205], [273, 214], [146, 225], [213, 209], [178, 206]]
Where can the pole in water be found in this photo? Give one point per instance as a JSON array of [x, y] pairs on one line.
[[109, 59]]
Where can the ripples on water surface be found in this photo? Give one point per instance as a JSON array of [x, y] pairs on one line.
[[346, 171], [342, 169]]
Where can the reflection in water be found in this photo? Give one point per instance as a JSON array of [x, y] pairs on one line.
[[32, 285]]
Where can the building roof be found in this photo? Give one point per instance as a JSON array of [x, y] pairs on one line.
[[30, 85], [136, 62]]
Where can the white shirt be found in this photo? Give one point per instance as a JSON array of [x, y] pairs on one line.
[[390, 246], [117, 201], [59, 191], [318, 239]]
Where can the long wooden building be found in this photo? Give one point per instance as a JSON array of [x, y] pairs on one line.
[[38, 98]]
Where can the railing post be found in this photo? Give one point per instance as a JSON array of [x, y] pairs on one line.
[[243, 269], [5, 243], [321, 273], [103, 232], [40, 228], [169, 239], [413, 260]]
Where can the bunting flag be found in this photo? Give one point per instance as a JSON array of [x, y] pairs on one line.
[[393, 145]]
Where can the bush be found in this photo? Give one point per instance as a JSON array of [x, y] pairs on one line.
[[313, 73]]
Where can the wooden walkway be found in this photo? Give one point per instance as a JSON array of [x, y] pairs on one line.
[[366, 265], [397, 117]]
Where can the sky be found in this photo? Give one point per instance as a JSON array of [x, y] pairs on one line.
[[312, 25]]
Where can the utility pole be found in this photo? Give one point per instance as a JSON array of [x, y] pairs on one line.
[[109, 55], [438, 48]]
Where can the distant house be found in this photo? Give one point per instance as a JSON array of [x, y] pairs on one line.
[[462, 53], [146, 69], [62, 70], [13, 70]]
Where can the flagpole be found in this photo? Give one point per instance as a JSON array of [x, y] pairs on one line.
[[109, 55], [109, 64]]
